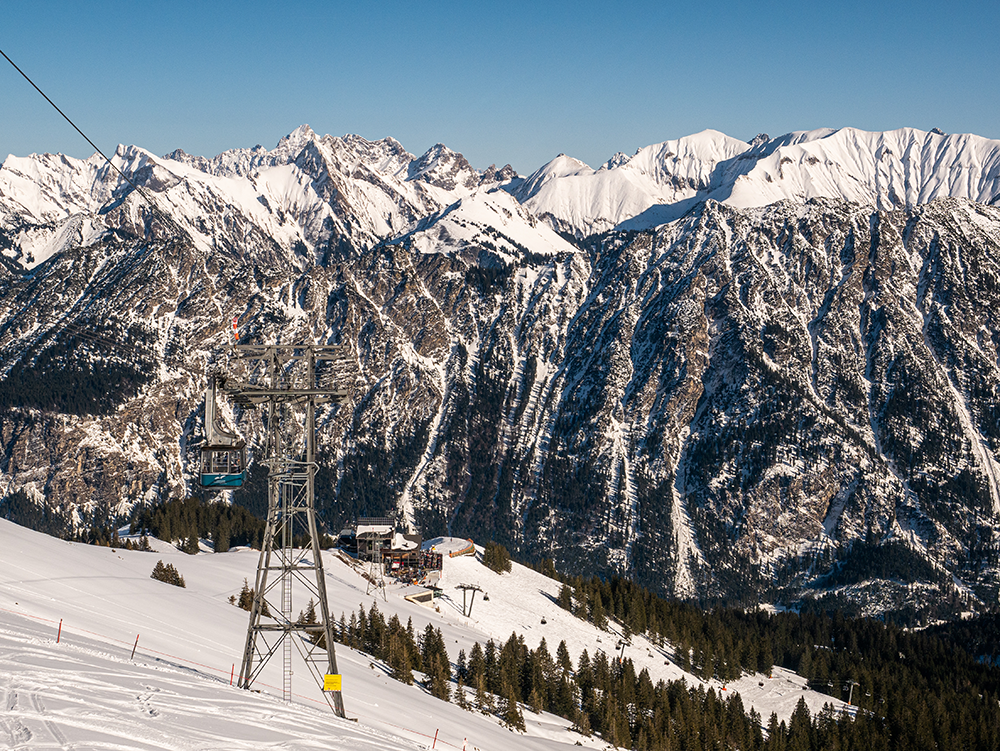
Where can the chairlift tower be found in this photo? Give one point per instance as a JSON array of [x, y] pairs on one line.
[[289, 384]]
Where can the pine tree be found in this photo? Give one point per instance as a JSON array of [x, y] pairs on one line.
[[168, 574], [598, 616], [564, 703], [563, 658], [221, 536], [566, 597], [477, 664], [484, 700], [510, 711], [399, 659], [496, 557], [582, 723], [800, 728], [245, 600], [159, 572], [535, 700], [191, 545], [439, 682], [776, 734]]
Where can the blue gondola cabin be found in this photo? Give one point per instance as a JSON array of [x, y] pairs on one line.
[[223, 466]]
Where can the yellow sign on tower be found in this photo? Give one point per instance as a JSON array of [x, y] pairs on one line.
[[331, 682]]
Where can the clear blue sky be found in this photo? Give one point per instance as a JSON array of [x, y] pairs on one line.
[[511, 81]]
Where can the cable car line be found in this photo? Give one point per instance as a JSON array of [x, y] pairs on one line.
[[223, 456], [76, 329], [125, 177]]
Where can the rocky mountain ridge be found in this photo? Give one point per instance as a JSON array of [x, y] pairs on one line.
[[759, 400]]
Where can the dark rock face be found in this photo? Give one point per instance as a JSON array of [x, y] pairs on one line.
[[756, 405]]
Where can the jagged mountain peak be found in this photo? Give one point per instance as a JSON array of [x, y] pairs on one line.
[[904, 167], [503, 175], [619, 159], [443, 168]]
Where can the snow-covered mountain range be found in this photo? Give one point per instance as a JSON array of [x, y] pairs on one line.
[[750, 370]]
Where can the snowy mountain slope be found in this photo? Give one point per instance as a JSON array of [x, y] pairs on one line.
[[899, 168], [894, 169], [310, 194], [725, 405], [583, 201], [175, 694], [84, 693]]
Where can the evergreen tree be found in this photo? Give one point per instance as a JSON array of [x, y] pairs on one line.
[[776, 734], [563, 658], [565, 597], [399, 658], [510, 711], [598, 615], [496, 558], [460, 697], [167, 573], [800, 728], [477, 664], [245, 600], [484, 699], [221, 536], [191, 545]]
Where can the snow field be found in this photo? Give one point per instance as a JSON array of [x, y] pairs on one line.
[[85, 692]]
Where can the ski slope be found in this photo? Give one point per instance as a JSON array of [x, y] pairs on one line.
[[86, 692]]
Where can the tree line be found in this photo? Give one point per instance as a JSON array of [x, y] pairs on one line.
[[188, 520]]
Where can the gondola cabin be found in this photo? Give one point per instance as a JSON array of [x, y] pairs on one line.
[[224, 454], [223, 466]]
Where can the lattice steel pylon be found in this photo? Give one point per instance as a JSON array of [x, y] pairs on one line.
[[291, 517]]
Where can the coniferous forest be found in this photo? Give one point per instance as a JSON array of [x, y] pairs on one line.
[[912, 690]]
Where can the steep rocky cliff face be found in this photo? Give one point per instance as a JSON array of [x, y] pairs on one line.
[[750, 403]]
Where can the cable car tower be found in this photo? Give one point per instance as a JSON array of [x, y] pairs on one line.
[[288, 385]]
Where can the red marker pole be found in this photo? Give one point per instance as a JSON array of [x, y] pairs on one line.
[[231, 674], [59, 633], [134, 646], [435, 743]]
